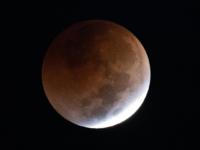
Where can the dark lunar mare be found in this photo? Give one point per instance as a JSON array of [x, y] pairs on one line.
[[79, 52]]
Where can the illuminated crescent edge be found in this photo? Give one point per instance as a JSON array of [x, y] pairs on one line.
[[127, 112]]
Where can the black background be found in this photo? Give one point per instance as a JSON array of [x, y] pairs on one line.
[[169, 116]]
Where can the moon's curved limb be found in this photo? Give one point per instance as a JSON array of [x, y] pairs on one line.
[[96, 74]]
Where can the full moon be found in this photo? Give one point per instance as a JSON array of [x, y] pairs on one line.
[[96, 74]]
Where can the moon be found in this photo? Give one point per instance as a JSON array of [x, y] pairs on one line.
[[96, 74]]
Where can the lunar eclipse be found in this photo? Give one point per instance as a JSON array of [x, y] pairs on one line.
[[96, 74]]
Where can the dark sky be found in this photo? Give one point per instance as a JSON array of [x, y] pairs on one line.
[[169, 116]]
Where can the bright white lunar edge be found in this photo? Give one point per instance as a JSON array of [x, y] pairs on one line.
[[128, 111]]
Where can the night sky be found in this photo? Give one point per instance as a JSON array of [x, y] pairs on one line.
[[169, 116]]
